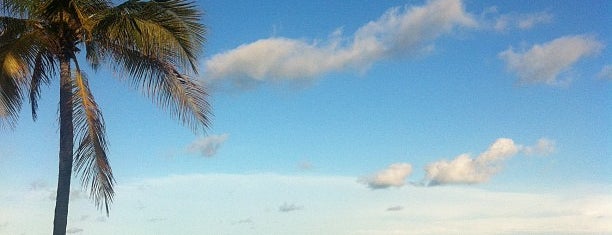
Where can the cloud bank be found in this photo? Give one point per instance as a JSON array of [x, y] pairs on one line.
[[543, 63], [399, 32], [336, 205], [395, 175], [209, 145]]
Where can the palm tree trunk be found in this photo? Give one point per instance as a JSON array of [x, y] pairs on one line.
[[65, 150]]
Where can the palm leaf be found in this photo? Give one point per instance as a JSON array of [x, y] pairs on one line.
[[175, 92], [22, 41], [14, 68], [167, 28], [11, 28], [18, 41], [180, 19], [44, 67], [25, 60], [19, 7], [152, 42], [10, 100], [90, 157]]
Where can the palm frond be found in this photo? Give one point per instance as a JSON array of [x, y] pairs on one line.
[[11, 28], [44, 67], [13, 74], [25, 59], [86, 14], [156, 28], [90, 157], [153, 42], [15, 67], [11, 98], [92, 54], [181, 20], [187, 99], [53, 8], [89, 13], [23, 39], [15, 61], [19, 7], [171, 90]]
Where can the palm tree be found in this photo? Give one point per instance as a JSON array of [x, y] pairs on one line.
[[152, 44]]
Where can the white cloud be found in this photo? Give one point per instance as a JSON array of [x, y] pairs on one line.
[[507, 22], [466, 170], [543, 63], [542, 147], [405, 31], [209, 145], [394, 175], [606, 72], [399, 32], [501, 149]]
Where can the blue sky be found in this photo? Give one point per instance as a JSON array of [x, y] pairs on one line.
[[355, 117]]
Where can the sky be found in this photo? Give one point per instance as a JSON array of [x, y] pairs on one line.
[[353, 117]]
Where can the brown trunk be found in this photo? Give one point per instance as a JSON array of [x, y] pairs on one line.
[[65, 151]]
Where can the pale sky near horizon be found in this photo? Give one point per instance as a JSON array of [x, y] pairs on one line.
[[354, 117]]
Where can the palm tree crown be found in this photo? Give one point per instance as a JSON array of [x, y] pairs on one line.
[[151, 44]]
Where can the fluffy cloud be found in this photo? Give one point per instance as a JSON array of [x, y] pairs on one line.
[[394, 175], [395, 208], [463, 169], [466, 170], [289, 207], [209, 145], [544, 63], [521, 21], [605, 73], [399, 32]]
